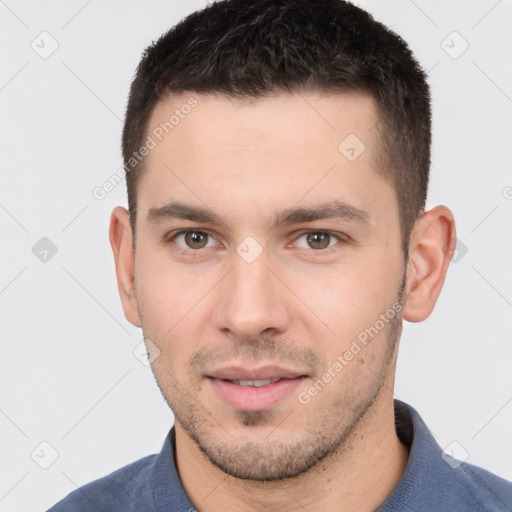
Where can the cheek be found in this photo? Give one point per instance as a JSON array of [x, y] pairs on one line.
[[346, 300], [167, 290], [343, 295], [174, 304]]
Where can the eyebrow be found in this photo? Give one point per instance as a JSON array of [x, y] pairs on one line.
[[338, 210]]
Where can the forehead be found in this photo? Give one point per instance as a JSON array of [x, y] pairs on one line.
[[265, 153], [282, 120]]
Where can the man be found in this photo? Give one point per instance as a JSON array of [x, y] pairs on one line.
[[277, 158]]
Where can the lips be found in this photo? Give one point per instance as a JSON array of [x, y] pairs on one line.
[[254, 389]]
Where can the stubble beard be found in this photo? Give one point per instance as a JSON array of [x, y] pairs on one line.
[[271, 459]]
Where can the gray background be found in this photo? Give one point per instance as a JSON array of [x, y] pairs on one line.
[[69, 375]]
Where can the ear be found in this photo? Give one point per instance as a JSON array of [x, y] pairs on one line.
[[431, 247], [120, 235]]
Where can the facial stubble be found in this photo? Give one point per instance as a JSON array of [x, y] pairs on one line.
[[270, 458]]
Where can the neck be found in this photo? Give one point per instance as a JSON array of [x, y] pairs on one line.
[[358, 476]]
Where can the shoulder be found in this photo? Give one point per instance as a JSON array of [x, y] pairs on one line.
[[435, 481], [483, 489], [127, 488]]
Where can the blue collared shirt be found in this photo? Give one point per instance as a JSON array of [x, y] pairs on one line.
[[432, 482]]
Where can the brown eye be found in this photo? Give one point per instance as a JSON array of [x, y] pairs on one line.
[[318, 240], [196, 239], [192, 239]]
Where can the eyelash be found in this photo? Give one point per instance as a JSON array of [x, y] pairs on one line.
[[341, 239]]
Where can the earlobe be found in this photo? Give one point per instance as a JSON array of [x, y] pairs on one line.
[[431, 247], [120, 236]]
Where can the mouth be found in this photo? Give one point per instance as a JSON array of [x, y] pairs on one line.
[[255, 389], [255, 383]]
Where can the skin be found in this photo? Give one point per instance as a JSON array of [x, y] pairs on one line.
[[296, 305]]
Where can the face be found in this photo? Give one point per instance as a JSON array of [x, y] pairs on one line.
[[268, 273]]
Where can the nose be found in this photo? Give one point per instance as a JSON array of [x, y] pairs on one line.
[[252, 301]]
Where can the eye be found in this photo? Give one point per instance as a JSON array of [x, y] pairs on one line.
[[319, 240], [193, 239]]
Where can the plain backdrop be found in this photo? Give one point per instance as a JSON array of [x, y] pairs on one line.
[[76, 402]]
